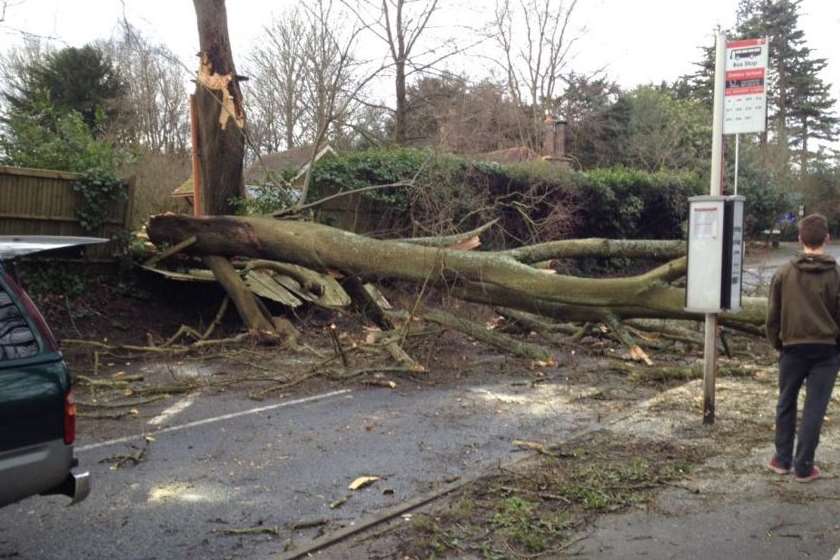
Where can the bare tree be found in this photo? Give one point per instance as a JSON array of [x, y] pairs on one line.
[[331, 74], [276, 85], [400, 24], [535, 41], [155, 100]]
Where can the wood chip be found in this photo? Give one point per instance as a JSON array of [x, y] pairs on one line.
[[362, 482]]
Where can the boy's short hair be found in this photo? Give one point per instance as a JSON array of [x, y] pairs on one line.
[[813, 229]]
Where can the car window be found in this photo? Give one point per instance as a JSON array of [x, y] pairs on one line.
[[16, 338]]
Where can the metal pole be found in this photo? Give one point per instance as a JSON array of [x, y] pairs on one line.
[[737, 149], [717, 115], [710, 342]]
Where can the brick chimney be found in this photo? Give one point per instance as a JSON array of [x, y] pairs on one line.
[[554, 138]]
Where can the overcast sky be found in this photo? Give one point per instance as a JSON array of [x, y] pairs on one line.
[[637, 41]]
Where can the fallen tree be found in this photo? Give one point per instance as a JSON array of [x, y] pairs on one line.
[[503, 278]]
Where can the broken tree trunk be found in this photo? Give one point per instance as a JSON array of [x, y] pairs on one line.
[[496, 278], [251, 312], [221, 118]]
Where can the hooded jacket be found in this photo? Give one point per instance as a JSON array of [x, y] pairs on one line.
[[803, 306]]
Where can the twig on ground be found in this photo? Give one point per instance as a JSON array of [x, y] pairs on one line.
[[107, 415], [217, 319], [337, 344], [124, 404], [274, 531]]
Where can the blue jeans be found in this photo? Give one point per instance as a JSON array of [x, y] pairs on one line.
[[796, 365]]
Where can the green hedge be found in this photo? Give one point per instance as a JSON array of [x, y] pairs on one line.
[[536, 200]]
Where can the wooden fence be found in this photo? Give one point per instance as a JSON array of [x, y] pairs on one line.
[[43, 202]]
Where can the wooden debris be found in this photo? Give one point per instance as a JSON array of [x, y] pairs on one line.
[[132, 459], [367, 303], [339, 350], [339, 502], [540, 448], [479, 332], [108, 415], [309, 523], [252, 314], [124, 404], [273, 531], [362, 482]]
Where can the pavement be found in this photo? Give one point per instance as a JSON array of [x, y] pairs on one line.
[[219, 463], [732, 506]]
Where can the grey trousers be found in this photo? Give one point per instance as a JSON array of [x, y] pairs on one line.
[[795, 367]]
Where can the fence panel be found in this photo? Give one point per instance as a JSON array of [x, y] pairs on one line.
[[43, 202]]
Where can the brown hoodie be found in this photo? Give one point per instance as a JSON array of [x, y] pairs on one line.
[[803, 303]]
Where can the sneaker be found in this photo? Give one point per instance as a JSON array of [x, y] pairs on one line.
[[777, 467], [814, 475]]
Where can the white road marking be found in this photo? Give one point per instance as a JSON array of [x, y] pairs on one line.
[[836, 556], [212, 420], [176, 408]]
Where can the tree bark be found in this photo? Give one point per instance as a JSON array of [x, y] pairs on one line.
[[244, 300], [495, 278], [400, 111], [221, 116]]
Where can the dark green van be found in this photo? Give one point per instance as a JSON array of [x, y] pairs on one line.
[[37, 411]]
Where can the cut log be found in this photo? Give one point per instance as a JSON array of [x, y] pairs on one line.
[[495, 278]]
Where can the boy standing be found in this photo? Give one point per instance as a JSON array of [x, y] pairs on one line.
[[803, 322]]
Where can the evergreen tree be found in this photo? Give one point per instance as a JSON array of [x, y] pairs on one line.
[[73, 79], [801, 107], [811, 114], [597, 116], [699, 85]]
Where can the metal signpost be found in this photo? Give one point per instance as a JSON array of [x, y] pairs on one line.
[[715, 238]]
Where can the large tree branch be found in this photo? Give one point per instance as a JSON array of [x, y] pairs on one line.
[[489, 277]]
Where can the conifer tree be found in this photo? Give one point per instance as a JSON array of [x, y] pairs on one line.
[[800, 105]]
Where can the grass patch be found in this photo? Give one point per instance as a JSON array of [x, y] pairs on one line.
[[538, 506]]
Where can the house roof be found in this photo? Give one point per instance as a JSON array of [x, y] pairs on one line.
[[295, 159], [185, 189]]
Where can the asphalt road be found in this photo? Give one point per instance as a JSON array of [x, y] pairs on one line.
[[217, 463], [759, 270]]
